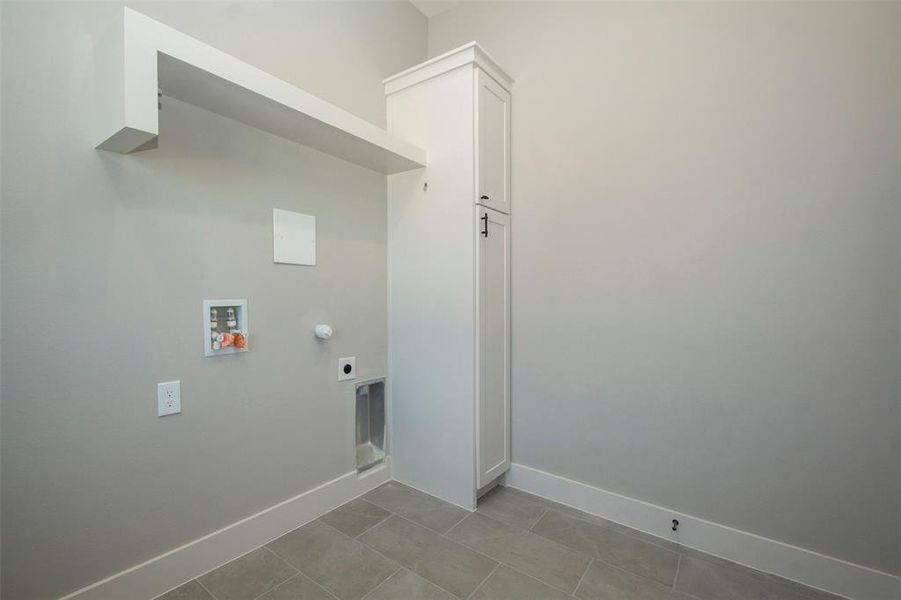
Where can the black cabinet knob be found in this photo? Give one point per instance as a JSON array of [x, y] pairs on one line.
[[484, 197]]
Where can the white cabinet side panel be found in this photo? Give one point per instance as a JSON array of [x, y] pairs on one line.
[[431, 291]]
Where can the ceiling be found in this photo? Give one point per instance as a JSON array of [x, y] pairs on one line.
[[430, 8]]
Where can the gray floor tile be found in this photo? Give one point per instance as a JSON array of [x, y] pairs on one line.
[[416, 506], [605, 582], [247, 577], [437, 519], [189, 591], [517, 509], [791, 589], [355, 517], [526, 552], [631, 554], [298, 587], [686, 551], [407, 584], [534, 555], [719, 579], [579, 514], [507, 584], [516, 546], [645, 537], [341, 565], [477, 526], [445, 563], [399, 498], [550, 504]]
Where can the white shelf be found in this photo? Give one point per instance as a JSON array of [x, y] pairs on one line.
[[138, 56]]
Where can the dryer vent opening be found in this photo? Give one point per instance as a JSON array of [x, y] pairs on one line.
[[370, 425]]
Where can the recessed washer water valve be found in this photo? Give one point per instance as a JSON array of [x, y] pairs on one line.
[[323, 331], [225, 326]]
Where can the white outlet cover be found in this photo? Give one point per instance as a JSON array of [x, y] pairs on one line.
[[168, 398], [293, 237], [343, 373]]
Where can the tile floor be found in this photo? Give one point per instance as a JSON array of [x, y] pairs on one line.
[[397, 543]]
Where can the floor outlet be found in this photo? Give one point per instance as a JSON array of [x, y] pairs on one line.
[[347, 368], [168, 398]]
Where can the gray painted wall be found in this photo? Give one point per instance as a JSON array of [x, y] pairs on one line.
[[105, 262], [706, 249]]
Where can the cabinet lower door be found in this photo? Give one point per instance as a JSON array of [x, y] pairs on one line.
[[493, 404]]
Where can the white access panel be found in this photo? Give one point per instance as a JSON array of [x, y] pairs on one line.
[[293, 237], [493, 143], [493, 398]]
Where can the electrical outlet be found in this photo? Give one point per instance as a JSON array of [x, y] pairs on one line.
[[168, 398], [347, 368]]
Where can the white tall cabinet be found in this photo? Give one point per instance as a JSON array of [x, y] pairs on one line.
[[449, 276]]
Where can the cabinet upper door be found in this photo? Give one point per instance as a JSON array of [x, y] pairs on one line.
[[492, 144], [493, 398]]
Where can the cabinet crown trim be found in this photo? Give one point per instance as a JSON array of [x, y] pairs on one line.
[[465, 54]]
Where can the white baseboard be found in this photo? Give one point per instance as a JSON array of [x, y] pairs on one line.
[[167, 571], [804, 566]]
